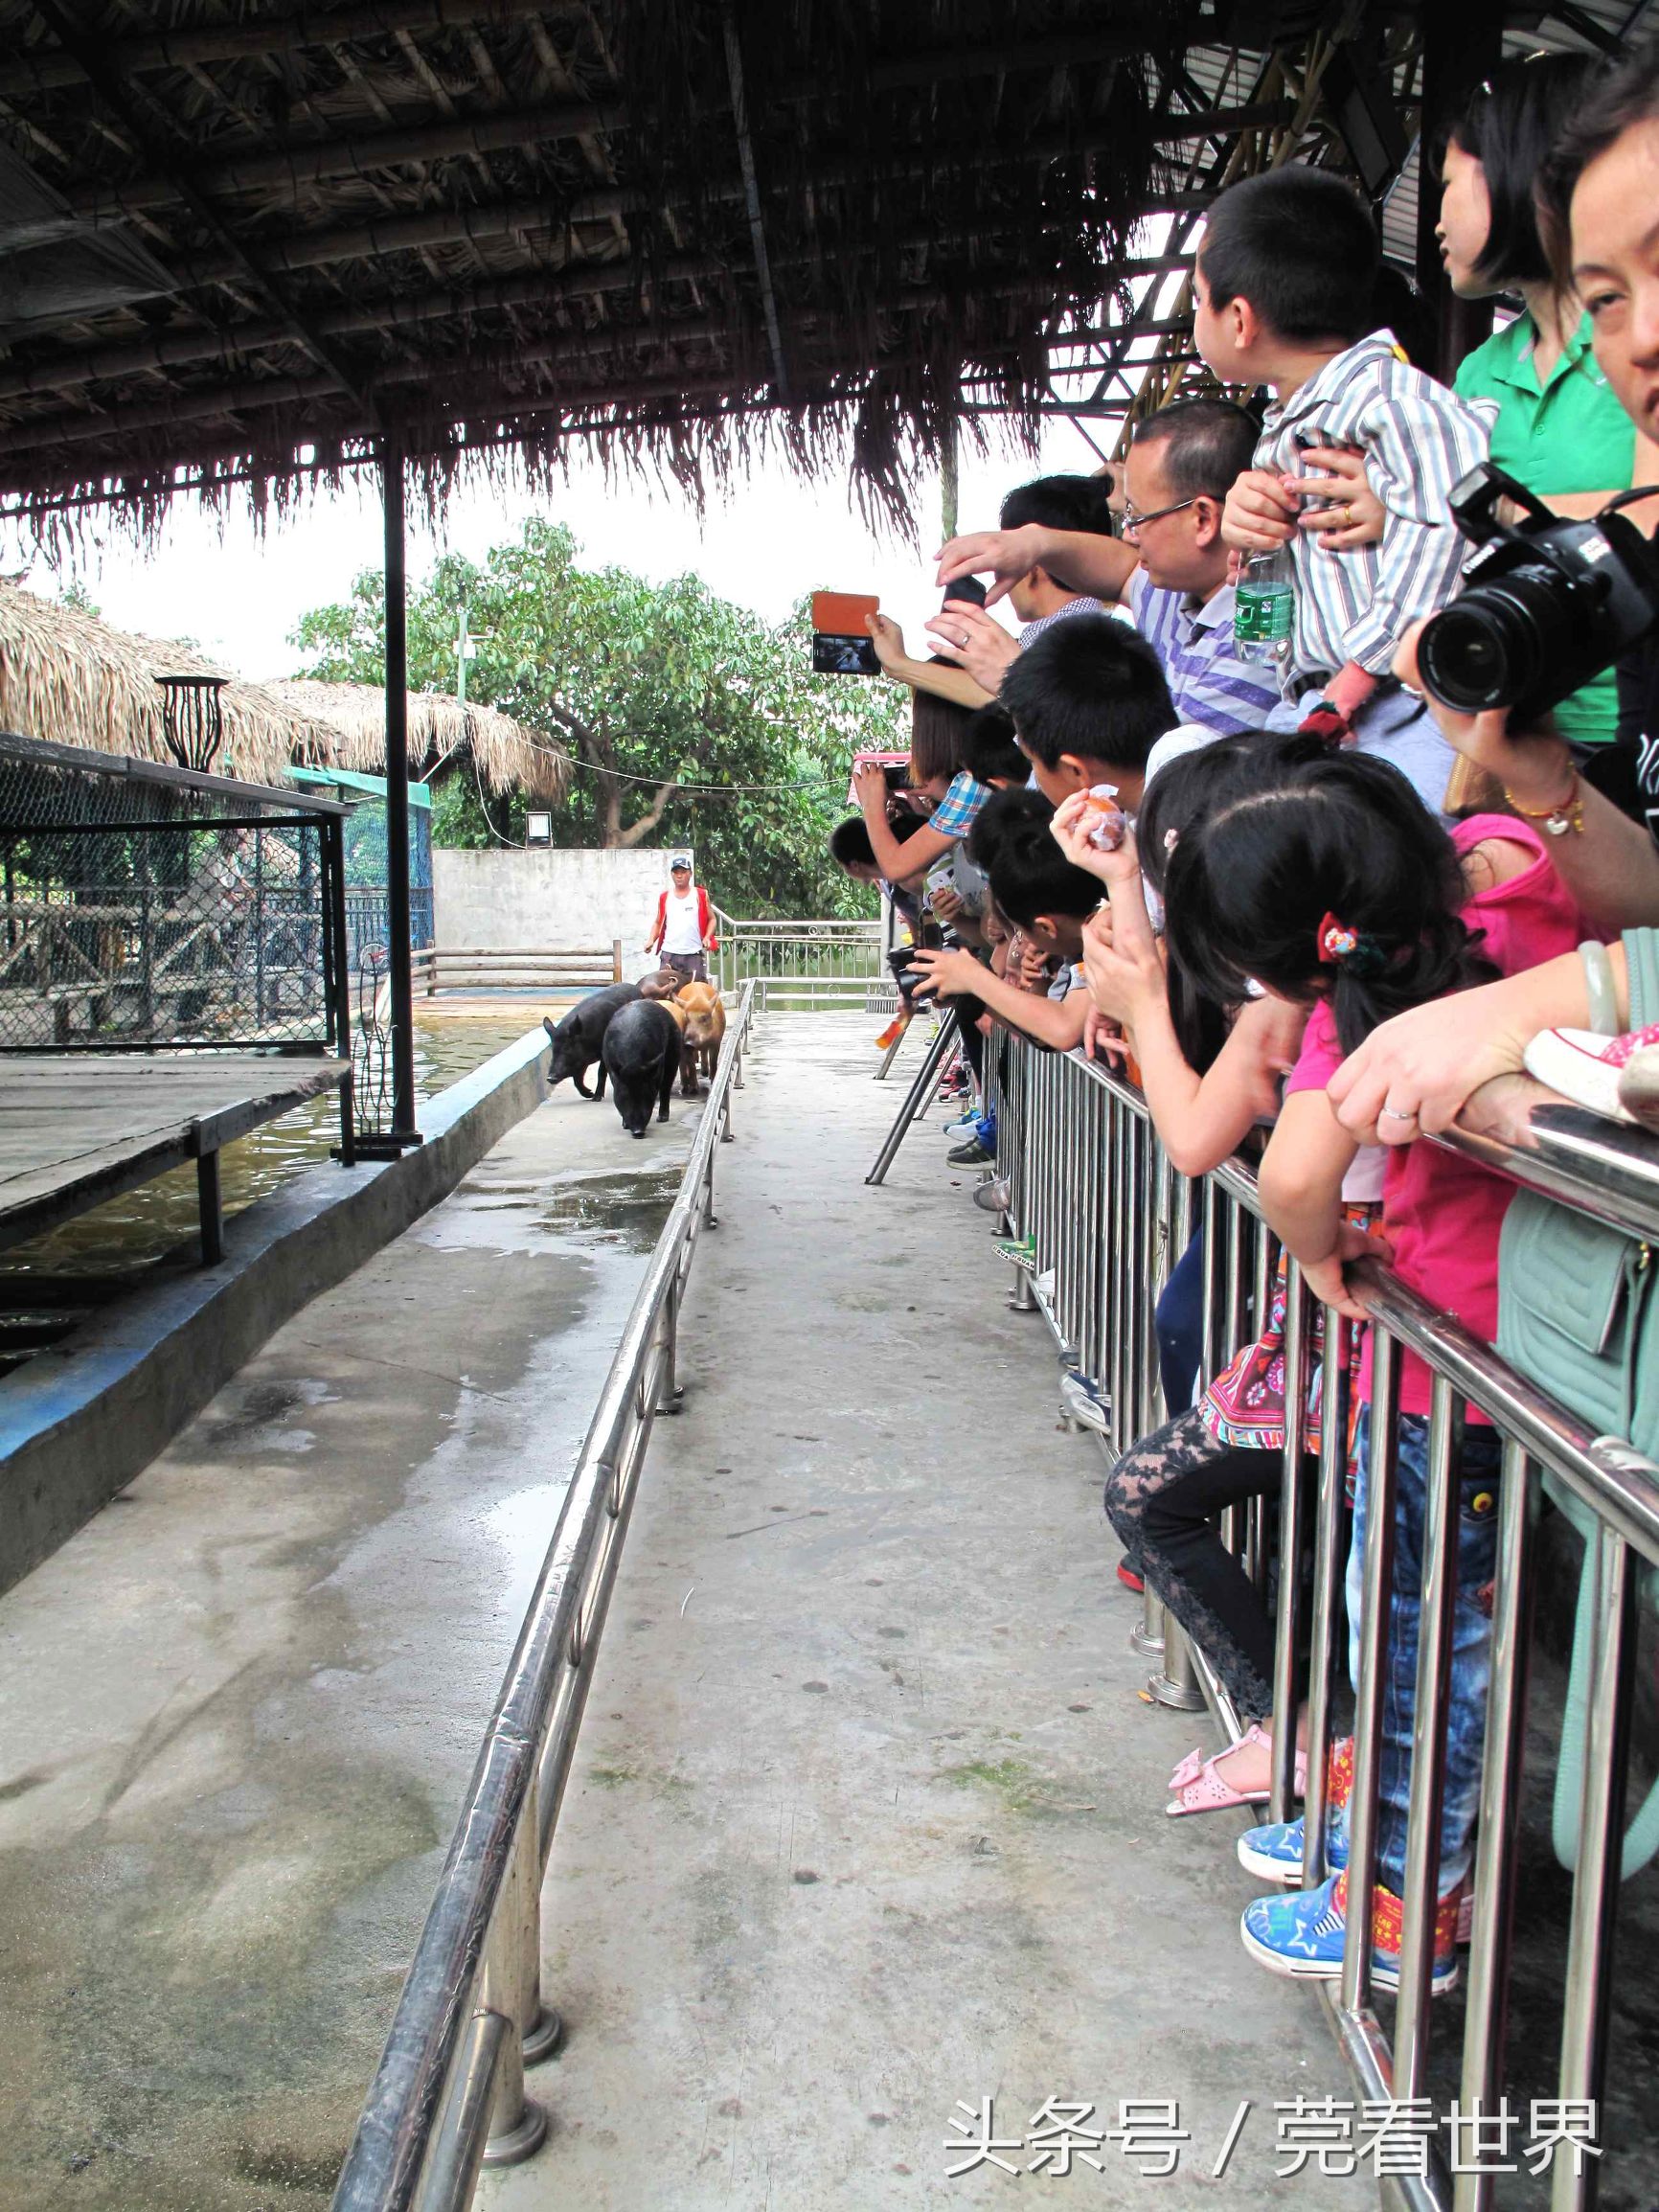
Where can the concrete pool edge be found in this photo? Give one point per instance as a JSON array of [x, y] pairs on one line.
[[78, 1424]]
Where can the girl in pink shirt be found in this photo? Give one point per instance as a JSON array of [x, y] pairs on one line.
[[1331, 885]]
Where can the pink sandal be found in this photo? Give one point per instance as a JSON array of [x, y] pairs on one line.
[[1189, 1771], [1207, 1790]]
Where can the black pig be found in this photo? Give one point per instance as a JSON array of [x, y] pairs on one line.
[[577, 1039], [642, 1053]]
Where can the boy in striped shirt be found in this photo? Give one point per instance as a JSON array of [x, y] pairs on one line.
[[1283, 287]]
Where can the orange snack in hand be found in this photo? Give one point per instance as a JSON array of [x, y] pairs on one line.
[[1106, 824]]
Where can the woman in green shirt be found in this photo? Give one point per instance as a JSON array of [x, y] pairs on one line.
[[1555, 424]]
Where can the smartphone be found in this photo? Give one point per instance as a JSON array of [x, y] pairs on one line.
[[841, 645]]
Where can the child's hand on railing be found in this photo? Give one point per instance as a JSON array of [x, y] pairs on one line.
[[1101, 1036], [1326, 1279]]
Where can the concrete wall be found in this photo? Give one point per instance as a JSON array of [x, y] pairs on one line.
[[546, 898]]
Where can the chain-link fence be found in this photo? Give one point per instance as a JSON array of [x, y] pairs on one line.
[[142, 908]]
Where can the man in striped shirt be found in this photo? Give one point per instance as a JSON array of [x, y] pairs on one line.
[[1283, 288], [1168, 570]]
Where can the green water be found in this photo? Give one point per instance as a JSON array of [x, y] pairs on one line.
[[144, 1225]]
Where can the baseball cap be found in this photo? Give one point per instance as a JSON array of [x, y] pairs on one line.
[[680, 861]]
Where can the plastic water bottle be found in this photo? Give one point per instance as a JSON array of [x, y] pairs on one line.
[[1264, 603]]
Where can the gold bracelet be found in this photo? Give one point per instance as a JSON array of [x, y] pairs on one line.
[[1565, 815]]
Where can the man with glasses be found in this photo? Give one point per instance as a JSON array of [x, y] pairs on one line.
[[1168, 570]]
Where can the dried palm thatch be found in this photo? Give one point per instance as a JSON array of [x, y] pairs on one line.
[[278, 235], [69, 678], [508, 755]]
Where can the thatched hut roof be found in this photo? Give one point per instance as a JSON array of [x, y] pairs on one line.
[[509, 754], [247, 239], [69, 678]]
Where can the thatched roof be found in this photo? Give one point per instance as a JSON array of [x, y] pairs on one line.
[[510, 755], [244, 236], [71, 679]]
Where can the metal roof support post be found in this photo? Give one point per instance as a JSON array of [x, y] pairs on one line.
[[1459, 47], [399, 971]]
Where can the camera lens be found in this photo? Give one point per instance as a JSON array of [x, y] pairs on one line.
[[1490, 647]]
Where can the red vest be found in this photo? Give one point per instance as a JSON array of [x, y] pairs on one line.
[[662, 927]]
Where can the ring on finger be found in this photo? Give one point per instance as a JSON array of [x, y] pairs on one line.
[[1396, 1114]]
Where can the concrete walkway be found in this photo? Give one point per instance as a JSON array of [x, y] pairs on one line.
[[867, 1823], [239, 1708]]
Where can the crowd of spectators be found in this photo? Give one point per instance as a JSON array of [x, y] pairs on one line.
[[1306, 904]]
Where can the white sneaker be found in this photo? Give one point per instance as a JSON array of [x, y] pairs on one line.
[[1615, 1075], [964, 1126], [1086, 1403]]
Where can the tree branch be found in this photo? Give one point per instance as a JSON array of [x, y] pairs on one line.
[[651, 817]]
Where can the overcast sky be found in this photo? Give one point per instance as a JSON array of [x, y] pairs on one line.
[[241, 595]]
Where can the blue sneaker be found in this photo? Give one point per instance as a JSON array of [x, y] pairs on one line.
[[1302, 1934], [1274, 1853], [965, 1125], [985, 1130]]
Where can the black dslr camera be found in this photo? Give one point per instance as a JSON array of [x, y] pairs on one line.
[[1546, 606], [929, 938]]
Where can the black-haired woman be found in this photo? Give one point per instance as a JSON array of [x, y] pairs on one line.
[[1556, 424]]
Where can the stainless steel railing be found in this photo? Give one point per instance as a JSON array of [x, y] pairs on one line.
[[448, 2095], [803, 963], [1090, 1182]]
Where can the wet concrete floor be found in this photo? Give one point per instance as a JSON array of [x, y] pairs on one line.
[[238, 1710], [867, 1821]]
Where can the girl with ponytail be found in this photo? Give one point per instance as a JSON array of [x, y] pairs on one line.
[[1329, 885]]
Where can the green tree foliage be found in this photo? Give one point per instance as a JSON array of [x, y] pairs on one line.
[[660, 682]]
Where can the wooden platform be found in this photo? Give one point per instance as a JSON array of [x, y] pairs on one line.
[[79, 1127]]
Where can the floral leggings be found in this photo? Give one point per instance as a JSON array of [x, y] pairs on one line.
[[1159, 1498]]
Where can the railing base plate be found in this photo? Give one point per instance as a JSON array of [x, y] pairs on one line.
[[544, 2037], [521, 2142], [1179, 1697]]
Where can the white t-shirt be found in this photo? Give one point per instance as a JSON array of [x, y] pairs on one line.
[[681, 933]]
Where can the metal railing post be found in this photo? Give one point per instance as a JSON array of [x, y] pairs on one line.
[[1377, 1571], [1434, 1657], [1498, 1834], [457, 2154], [1291, 1519], [1326, 1601], [1589, 1990], [670, 1395], [512, 1987]]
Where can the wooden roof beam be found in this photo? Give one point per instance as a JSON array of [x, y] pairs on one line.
[[283, 35], [294, 168], [124, 101], [577, 279]]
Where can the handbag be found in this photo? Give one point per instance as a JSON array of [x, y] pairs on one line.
[[1578, 1313]]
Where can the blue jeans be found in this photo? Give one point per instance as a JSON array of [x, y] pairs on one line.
[[1477, 1476], [1180, 1326]]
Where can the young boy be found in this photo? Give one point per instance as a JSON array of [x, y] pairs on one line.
[[1089, 702], [1036, 888], [1282, 290]]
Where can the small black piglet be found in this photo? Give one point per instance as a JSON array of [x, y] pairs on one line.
[[578, 1039]]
